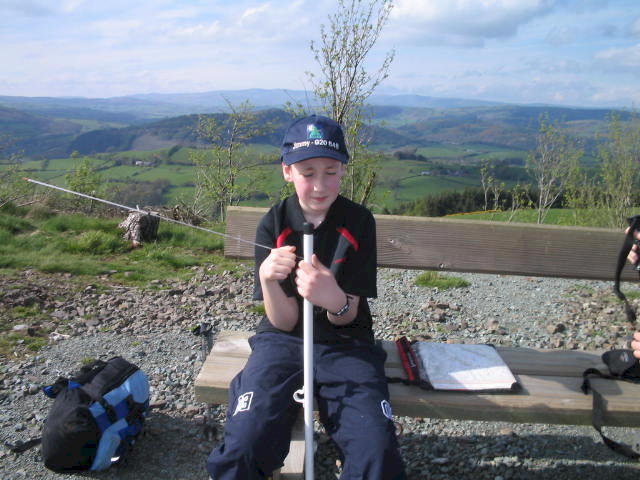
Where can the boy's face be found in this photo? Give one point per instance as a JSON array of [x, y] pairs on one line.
[[317, 183]]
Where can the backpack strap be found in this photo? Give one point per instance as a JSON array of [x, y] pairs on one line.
[[54, 389], [410, 365], [117, 370], [597, 417], [634, 224], [21, 447]]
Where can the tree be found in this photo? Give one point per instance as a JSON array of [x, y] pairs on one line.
[[13, 188], [519, 199], [583, 195], [84, 179], [344, 83], [550, 163], [605, 195], [620, 157], [486, 180], [225, 175]]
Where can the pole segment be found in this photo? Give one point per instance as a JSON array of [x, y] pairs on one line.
[[308, 361]]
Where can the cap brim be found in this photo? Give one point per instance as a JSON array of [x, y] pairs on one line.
[[296, 156]]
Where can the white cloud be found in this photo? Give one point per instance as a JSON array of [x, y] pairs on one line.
[[559, 36], [254, 14], [635, 27], [29, 8], [466, 22], [199, 31], [69, 6], [623, 58], [627, 96]]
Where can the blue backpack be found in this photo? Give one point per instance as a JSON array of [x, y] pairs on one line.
[[96, 417]]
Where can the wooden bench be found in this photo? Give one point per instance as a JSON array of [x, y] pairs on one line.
[[550, 379]]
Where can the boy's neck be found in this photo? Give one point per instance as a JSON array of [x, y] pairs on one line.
[[315, 218]]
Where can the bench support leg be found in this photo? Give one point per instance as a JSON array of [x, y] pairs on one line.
[[293, 468]]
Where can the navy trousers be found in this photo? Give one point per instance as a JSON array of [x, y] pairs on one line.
[[353, 401]]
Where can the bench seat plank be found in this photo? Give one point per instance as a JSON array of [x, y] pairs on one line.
[[550, 393]]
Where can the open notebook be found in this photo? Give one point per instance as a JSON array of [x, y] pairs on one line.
[[463, 367]]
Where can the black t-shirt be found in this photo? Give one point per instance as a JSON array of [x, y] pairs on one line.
[[345, 242]]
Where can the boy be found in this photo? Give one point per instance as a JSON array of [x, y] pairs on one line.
[[350, 384]]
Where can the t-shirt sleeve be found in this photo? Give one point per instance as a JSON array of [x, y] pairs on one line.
[[266, 235], [360, 271]]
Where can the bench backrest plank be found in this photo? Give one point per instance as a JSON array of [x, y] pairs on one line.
[[472, 246]]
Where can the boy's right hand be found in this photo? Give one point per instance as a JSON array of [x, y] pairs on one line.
[[279, 264], [634, 255]]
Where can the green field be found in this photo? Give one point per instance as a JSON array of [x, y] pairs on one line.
[[398, 180], [556, 216]]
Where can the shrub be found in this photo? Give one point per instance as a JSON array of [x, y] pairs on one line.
[[40, 212]]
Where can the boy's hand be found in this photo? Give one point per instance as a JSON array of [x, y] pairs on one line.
[[634, 255], [317, 284], [280, 263]]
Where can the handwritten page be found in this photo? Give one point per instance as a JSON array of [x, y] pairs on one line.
[[464, 367]]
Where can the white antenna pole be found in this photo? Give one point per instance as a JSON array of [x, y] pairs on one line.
[[308, 361]]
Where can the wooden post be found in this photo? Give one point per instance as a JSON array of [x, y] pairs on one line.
[[140, 227]]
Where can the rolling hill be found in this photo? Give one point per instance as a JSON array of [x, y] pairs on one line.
[[41, 128]]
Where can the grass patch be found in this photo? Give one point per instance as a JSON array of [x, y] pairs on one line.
[[632, 295], [78, 223], [15, 224], [91, 246], [259, 309], [96, 242], [433, 279], [14, 342]]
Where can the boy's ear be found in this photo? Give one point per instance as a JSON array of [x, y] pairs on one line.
[[286, 172]]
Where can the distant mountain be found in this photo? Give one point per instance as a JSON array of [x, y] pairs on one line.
[[46, 127], [134, 109], [276, 98], [168, 132], [34, 134]]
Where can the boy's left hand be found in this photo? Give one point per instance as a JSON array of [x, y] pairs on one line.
[[634, 254], [317, 284]]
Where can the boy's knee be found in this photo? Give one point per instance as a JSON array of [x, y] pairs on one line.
[[375, 452], [248, 452], [243, 459]]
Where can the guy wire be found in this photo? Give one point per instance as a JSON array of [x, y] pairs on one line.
[[151, 214]]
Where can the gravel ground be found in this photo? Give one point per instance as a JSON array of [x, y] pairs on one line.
[[152, 328]]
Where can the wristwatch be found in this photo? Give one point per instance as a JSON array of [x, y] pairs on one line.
[[342, 311]]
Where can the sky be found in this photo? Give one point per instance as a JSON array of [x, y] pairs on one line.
[[559, 52]]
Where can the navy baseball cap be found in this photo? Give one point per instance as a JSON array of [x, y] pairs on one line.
[[313, 136]]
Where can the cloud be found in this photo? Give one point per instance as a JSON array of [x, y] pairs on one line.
[[254, 14], [620, 58], [466, 22], [559, 36], [626, 96], [29, 8], [635, 28], [69, 6]]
